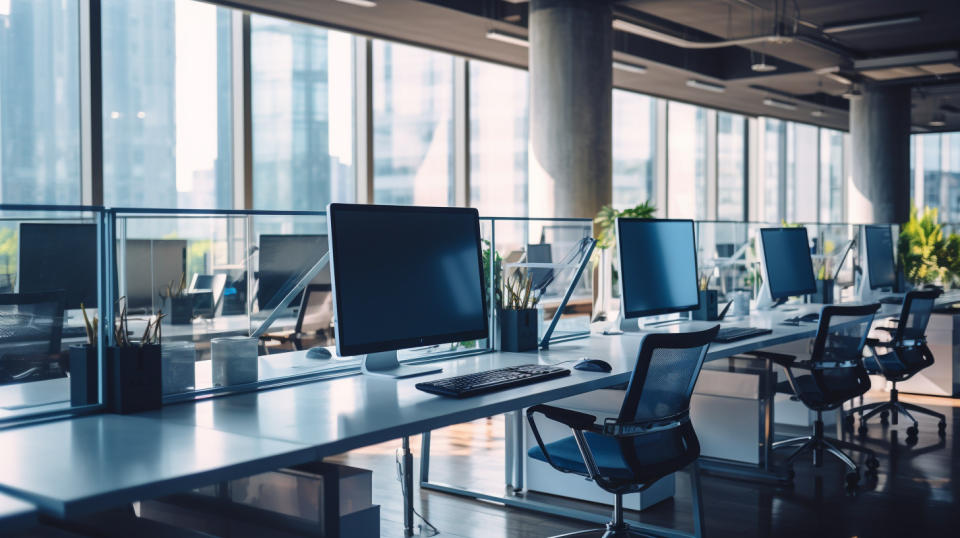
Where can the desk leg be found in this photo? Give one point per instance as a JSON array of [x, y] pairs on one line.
[[514, 450], [769, 394], [407, 485], [424, 457]]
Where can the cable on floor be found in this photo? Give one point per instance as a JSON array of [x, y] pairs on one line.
[[430, 528]]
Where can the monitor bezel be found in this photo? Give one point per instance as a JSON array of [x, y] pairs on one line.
[[893, 260], [352, 349], [655, 311], [766, 265]]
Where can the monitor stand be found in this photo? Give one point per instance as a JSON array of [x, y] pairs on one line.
[[622, 325], [385, 363]]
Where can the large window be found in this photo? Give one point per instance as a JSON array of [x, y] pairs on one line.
[[302, 115], [774, 148], [731, 166], [831, 176], [686, 161], [413, 148], [634, 149], [801, 173], [499, 127], [39, 102], [166, 104], [937, 173]]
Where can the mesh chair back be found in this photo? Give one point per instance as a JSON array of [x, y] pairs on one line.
[[316, 310], [915, 315], [667, 369], [838, 351]]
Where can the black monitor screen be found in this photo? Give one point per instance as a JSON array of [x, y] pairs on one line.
[[658, 266], [786, 253], [405, 277], [284, 260], [883, 270], [59, 256]]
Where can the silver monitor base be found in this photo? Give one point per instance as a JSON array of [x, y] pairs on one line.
[[385, 363]]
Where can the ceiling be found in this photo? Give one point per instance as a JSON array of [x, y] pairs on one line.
[[822, 49]]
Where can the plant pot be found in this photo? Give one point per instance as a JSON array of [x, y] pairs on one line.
[[518, 329], [179, 367], [708, 306], [84, 375], [136, 375], [179, 309], [234, 360], [824, 294]]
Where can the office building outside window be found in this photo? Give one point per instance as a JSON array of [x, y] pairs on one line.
[[936, 177], [774, 148], [499, 133], [686, 161], [302, 93], [413, 148], [39, 102], [831, 176], [801, 173], [731, 166], [166, 104], [634, 149]]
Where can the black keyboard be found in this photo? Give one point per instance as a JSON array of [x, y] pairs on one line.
[[462, 386], [732, 334], [891, 299]]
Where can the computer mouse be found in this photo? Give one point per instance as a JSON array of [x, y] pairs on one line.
[[592, 365], [318, 353]]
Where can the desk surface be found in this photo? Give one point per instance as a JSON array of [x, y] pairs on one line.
[[16, 515], [92, 463]]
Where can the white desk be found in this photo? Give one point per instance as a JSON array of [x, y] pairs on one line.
[[16, 515]]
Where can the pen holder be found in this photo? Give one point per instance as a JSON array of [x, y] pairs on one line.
[[135, 378], [179, 367], [234, 360], [84, 375], [708, 306], [518, 329], [180, 309], [824, 294]]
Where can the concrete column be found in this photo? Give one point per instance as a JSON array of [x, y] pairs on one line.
[[571, 80], [879, 189]]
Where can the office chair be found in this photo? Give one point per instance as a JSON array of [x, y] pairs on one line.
[[905, 354], [650, 439], [833, 375], [31, 326], [313, 321]]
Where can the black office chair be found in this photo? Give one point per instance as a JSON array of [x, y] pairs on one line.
[[833, 375], [650, 439], [905, 354], [31, 327], [314, 320]]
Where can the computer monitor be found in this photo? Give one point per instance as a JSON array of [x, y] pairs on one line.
[[789, 267], [658, 267], [149, 266], [283, 260], [880, 264], [540, 253], [404, 277], [59, 256]]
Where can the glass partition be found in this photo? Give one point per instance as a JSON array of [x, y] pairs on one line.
[[49, 281]]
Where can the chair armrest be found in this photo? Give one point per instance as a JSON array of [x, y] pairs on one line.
[[873, 342], [888, 329], [574, 419], [779, 358]]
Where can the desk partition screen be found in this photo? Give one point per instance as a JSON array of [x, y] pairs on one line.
[[789, 267], [405, 277], [658, 266]]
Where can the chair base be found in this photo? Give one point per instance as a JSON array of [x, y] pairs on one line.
[[894, 407], [607, 532], [817, 444]]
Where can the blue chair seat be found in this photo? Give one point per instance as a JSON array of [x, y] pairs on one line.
[[895, 365], [651, 453]]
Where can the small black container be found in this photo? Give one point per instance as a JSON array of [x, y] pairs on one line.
[[180, 309], [824, 294], [135, 378], [708, 306], [84, 375], [518, 329]]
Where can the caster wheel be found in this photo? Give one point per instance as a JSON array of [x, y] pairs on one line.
[[942, 429], [862, 430], [872, 464], [912, 431], [911, 440], [852, 478]]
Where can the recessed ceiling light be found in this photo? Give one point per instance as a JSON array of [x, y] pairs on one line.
[[763, 67], [707, 86], [511, 39], [776, 103], [629, 68], [937, 121], [361, 3], [870, 24]]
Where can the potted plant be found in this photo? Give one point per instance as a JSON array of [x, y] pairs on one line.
[[84, 373], [607, 217], [177, 302], [926, 256], [134, 368], [519, 316]]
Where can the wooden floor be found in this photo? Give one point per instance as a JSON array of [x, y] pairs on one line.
[[914, 495]]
